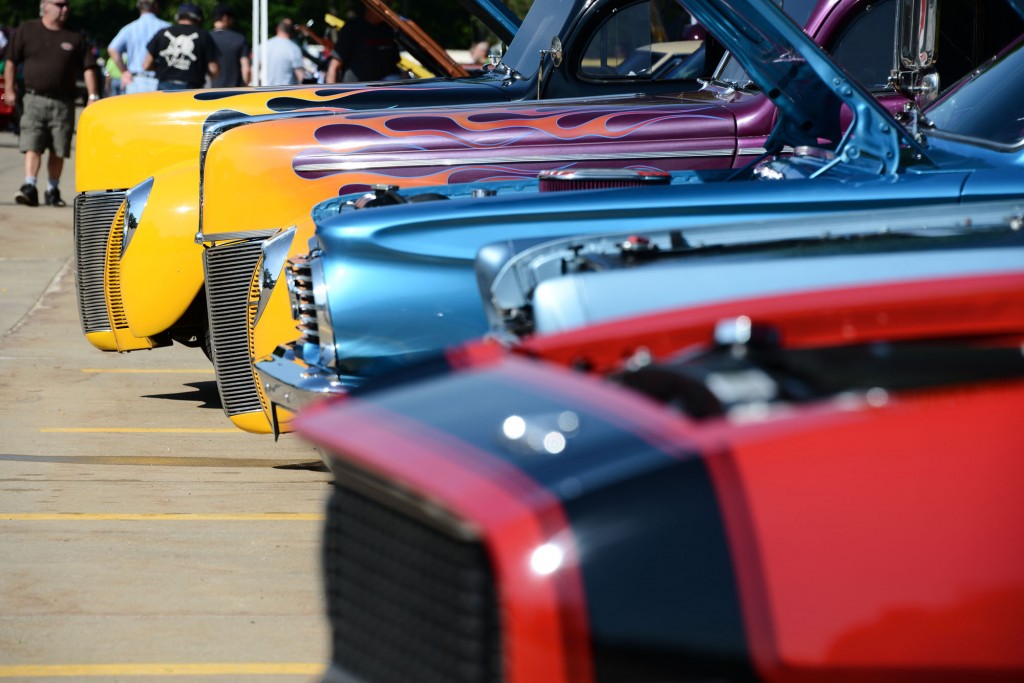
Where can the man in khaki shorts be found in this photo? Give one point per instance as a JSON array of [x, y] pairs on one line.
[[52, 57]]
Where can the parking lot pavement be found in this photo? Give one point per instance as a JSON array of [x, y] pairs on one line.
[[141, 535]]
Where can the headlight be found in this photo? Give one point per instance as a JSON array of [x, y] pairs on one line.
[[307, 291], [135, 203]]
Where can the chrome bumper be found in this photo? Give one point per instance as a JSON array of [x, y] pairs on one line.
[[290, 383]]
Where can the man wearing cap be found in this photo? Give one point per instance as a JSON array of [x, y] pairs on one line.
[[131, 40], [234, 62], [182, 54]]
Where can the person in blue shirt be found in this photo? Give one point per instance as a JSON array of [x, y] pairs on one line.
[[131, 41]]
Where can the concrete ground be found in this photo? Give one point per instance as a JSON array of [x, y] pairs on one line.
[[142, 536]]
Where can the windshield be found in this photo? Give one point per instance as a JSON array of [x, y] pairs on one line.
[[989, 106], [731, 72], [546, 19]]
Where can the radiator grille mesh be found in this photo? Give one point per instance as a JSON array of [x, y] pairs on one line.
[[115, 302], [229, 276], [407, 601], [94, 212]]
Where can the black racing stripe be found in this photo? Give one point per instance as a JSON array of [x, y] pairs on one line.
[[662, 597]]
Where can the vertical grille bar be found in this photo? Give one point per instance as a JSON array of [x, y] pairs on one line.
[[229, 272], [115, 302], [94, 214], [408, 600]]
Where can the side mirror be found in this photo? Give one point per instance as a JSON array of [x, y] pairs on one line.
[[555, 53]]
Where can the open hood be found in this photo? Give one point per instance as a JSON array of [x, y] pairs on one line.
[[805, 85], [495, 15]]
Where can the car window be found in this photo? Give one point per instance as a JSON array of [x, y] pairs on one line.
[[864, 49], [798, 10], [651, 39], [540, 25], [989, 107]]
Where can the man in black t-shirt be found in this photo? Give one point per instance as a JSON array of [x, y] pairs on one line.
[[182, 54], [234, 62], [52, 57]]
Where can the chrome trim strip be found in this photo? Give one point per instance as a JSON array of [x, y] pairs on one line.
[[241, 235], [357, 162]]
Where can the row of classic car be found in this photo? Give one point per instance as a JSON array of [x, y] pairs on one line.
[[817, 482], [153, 268], [825, 257], [767, 478], [388, 286], [125, 143]]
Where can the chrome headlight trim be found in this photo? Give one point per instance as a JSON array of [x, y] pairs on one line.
[[324, 322], [134, 204], [275, 252]]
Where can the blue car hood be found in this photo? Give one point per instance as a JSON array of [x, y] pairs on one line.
[[802, 81]]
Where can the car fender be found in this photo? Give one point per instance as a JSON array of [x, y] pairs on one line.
[[161, 269]]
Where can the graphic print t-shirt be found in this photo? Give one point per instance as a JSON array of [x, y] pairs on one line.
[[182, 53]]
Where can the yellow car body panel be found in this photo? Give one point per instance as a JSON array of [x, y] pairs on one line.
[[257, 163], [124, 140], [161, 270], [248, 184], [257, 423], [121, 341]]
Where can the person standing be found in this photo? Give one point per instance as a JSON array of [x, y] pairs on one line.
[[131, 40], [235, 66], [366, 51], [52, 56], [282, 57], [182, 54]]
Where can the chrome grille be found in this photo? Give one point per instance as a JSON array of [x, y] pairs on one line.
[[113, 267], [299, 275], [410, 590], [229, 272], [94, 212]]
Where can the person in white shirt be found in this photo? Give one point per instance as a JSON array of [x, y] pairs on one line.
[[131, 41], [282, 58]]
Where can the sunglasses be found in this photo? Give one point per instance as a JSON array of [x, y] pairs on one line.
[[59, 5]]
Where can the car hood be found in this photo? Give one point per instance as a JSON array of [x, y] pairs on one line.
[[576, 281], [802, 81]]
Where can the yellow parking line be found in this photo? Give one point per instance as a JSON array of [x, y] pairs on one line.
[[140, 430], [224, 669], [190, 371], [161, 516]]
